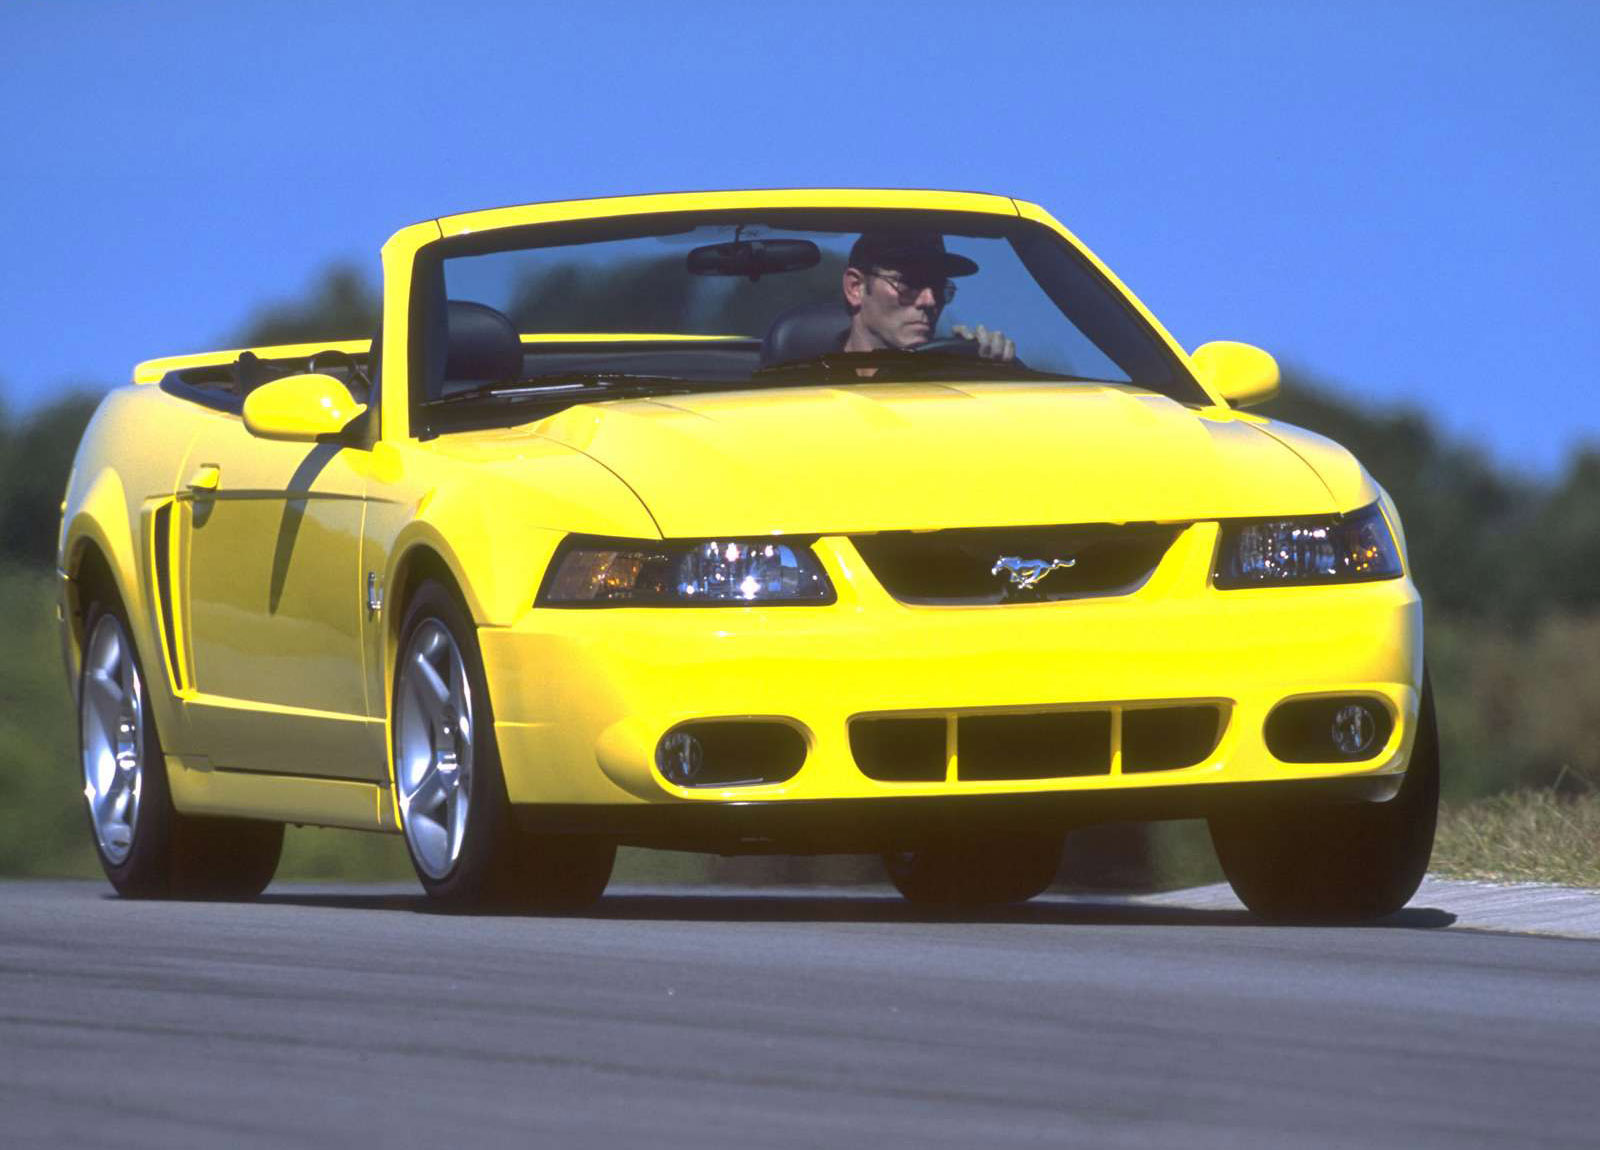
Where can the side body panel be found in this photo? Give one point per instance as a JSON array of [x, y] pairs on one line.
[[272, 603], [125, 472]]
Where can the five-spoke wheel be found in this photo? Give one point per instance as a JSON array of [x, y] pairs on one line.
[[146, 846], [433, 747], [111, 720], [459, 824]]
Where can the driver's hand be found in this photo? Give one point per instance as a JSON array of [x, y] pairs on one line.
[[991, 344]]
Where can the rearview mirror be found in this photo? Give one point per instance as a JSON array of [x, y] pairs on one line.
[[305, 407], [753, 258], [1242, 374]]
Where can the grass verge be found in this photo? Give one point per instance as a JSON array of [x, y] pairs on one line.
[[1524, 836]]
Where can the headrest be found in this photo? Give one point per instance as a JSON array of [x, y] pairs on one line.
[[806, 331], [483, 344]]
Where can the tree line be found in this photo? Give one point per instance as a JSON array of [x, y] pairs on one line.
[[1485, 542], [1505, 562]]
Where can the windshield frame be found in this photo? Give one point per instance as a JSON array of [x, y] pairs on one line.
[[427, 286]]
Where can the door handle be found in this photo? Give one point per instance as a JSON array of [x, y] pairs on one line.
[[205, 477]]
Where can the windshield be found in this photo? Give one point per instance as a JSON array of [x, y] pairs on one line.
[[540, 318]]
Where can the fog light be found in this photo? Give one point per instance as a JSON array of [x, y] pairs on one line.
[[1330, 729], [680, 757], [732, 752], [1353, 729]]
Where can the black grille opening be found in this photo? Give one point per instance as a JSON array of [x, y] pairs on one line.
[[958, 566], [994, 747], [1309, 730], [1168, 738], [899, 750], [730, 753]]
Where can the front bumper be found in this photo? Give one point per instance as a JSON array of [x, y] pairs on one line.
[[871, 826], [581, 697]]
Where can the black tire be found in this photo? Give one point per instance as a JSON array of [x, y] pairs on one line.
[[171, 854], [1350, 862], [975, 872], [499, 865]]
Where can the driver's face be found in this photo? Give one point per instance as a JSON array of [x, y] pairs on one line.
[[899, 309]]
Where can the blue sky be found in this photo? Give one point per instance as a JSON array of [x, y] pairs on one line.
[[1400, 198]]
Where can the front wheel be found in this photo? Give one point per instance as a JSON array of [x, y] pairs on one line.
[[459, 827], [974, 872], [146, 847], [1338, 863]]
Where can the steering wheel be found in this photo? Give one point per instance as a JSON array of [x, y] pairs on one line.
[[961, 347], [333, 357], [950, 345]]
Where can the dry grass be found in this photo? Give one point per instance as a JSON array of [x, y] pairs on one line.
[[1524, 836]]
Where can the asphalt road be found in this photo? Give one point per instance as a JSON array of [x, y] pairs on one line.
[[707, 1019]]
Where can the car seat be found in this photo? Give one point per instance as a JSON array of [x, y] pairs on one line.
[[805, 332]]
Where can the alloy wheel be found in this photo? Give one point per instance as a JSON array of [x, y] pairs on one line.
[[433, 747], [111, 720]]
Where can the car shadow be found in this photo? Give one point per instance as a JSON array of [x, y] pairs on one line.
[[842, 906]]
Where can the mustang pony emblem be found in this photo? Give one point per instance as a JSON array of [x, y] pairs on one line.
[[1026, 573]]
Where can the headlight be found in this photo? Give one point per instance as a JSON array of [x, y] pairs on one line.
[[1351, 548], [684, 573]]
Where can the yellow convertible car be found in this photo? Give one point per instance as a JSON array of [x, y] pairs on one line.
[[784, 521]]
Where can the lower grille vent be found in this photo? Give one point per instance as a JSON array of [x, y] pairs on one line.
[[1169, 738], [990, 747], [1038, 745], [900, 750]]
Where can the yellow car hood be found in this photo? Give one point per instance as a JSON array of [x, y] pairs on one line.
[[918, 456]]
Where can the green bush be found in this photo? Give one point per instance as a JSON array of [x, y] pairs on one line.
[[1518, 708], [42, 825]]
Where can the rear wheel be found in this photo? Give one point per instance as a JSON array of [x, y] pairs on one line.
[[972, 872], [1338, 863], [146, 847], [458, 821]]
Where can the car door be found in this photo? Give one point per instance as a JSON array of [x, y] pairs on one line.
[[274, 606]]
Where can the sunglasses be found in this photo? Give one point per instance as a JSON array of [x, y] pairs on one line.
[[908, 293]]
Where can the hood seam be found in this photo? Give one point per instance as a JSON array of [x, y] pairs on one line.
[[614, 474], [1333, 496]]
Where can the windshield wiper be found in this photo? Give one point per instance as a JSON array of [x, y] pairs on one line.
[[896, 363], [561, 385]]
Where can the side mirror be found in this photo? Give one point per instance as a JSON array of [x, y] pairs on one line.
[[1244, 375], [303, 407]]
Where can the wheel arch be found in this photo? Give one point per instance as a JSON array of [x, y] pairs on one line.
[[98, 556], [419, 562], [415, 564], [89, 577]]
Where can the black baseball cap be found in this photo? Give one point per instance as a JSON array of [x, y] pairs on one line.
[[908, 252]]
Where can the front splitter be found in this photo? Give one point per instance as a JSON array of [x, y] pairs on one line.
[[865, 826]]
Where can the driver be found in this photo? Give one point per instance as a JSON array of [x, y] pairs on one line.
[[897, 283]]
